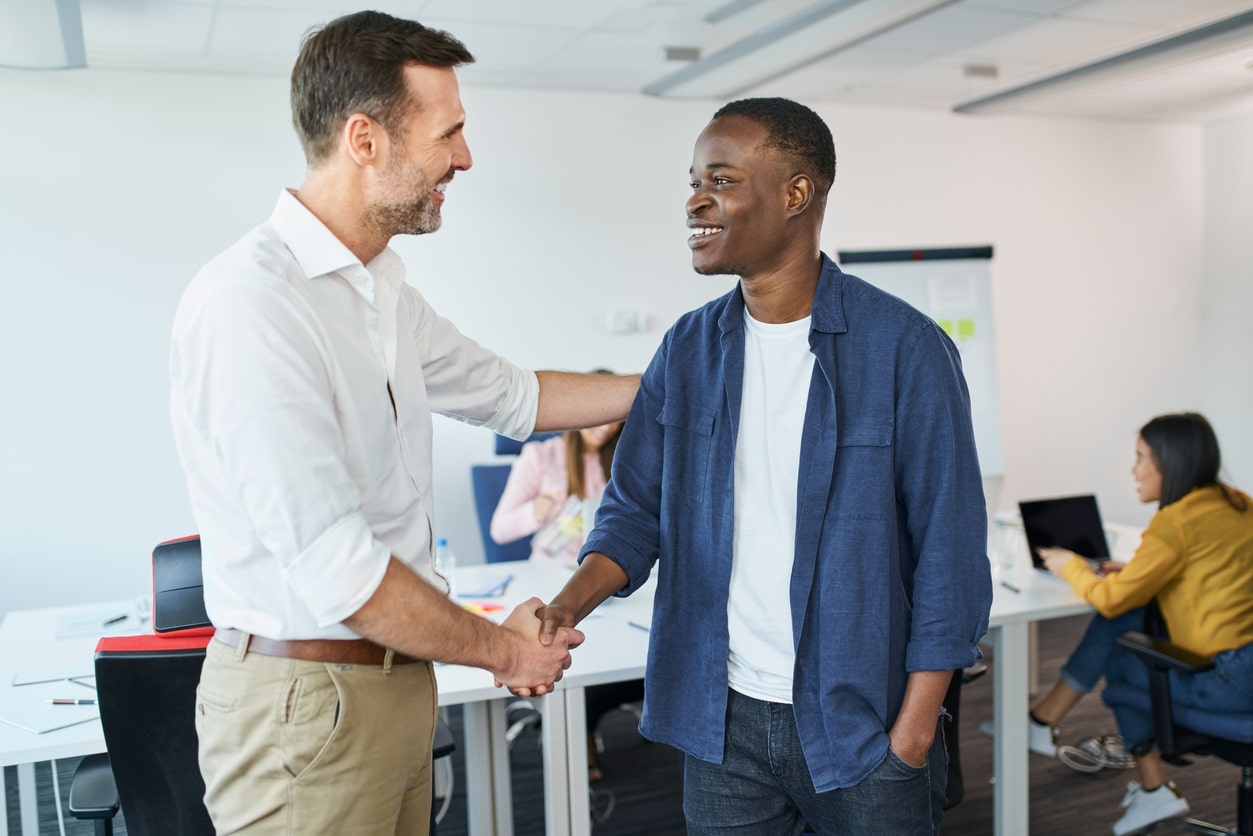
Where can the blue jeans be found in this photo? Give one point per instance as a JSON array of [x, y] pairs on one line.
[[763, 785], [1090, 659], [1227, 687]]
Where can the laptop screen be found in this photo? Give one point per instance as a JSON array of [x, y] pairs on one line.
[[1067, 522]]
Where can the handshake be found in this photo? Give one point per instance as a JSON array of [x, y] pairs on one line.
[[539, 639]]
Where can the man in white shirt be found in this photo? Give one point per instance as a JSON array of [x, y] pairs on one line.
[[304, 373]]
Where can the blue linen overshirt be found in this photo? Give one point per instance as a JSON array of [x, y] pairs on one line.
[[890, 572]]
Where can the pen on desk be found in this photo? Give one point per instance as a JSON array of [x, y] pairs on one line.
[[1010, 586], [71, 702], [499, 589], [117, 619], [639, 626]]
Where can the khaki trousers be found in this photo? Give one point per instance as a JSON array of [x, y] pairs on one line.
[[295, 748]]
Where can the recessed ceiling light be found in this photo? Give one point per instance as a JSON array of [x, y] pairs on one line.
[[981, 70], [682, 53]]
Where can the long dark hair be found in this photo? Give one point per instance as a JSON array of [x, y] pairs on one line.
[[1185, 451], [575, 485]]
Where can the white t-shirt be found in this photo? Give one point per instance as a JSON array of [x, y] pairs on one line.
[[778, 366]]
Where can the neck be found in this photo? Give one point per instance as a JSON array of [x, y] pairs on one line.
[[337, 200], [784, 293]]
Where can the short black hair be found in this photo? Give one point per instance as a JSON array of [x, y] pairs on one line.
[[355, 64], [794, 130]]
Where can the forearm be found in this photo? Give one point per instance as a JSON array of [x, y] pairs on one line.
[[914, 730], [573, 401], [509, 524], [411, 616], [595, 580]]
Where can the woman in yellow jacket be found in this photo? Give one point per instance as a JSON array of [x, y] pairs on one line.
[[1196, 559]]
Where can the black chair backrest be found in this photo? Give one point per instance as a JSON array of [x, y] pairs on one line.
[[178, 588], [147, 709]]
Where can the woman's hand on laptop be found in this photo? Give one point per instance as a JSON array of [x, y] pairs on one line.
[[1056, 559]]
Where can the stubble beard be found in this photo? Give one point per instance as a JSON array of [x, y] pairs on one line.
[[414, 214]]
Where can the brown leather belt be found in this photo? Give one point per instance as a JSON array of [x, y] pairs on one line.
[[338, 651]]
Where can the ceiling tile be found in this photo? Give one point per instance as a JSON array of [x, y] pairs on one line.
[[1171, 15], [951, 27], [564, 14], [1059, 42], [119, 29]]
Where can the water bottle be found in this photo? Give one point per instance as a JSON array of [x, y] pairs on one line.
[[446, 565]]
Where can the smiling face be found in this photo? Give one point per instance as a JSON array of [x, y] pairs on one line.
[[737, 213], [408, 193], [595, 438], [1145, 472]]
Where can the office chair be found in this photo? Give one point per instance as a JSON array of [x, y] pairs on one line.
[[488, 483], [146, 687], [146, 692], [956, 788], [506, 446], [1182, 730]]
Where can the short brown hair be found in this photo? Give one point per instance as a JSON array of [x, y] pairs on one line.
[[355, 64]]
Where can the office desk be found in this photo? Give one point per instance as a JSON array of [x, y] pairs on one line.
[[28, 641], [615, 651], [1040, 598]]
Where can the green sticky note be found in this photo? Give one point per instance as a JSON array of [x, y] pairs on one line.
[[965, 328], [946, 325]]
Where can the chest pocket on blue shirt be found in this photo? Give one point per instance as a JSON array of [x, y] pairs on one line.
[[864, 465], [687, 438]]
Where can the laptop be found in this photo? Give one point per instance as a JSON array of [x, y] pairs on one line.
[[1067, 522]]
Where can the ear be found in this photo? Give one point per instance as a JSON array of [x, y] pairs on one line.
[[363, 140], [800, 193]]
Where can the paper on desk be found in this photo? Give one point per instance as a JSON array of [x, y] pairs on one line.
[[34, 673], [28, 708], [103, 622]]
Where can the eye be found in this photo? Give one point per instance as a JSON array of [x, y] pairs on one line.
[[721, 181], [695, 184]]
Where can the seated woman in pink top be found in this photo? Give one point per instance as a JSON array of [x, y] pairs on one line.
[[552, 489], [544, 480]]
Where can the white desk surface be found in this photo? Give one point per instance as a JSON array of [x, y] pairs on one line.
[[614, 651]]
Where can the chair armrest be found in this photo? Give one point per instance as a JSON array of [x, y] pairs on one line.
[[93, 794], [1162, 654]]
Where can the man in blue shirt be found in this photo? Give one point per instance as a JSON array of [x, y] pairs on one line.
[[800, 465]]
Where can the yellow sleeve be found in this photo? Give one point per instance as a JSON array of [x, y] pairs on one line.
[[1158, 559]]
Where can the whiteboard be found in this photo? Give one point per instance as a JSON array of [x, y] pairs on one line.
[[952, 286]]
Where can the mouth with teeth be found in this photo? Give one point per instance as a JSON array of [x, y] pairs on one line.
[[701, 235], [438, 191]]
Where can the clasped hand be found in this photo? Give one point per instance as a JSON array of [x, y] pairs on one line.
[[536, 666]]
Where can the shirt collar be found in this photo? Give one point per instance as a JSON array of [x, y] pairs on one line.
[[319, 252], [827, 313], [315, 248]]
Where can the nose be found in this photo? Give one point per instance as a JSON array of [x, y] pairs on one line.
[[461, 159], [699, 200]]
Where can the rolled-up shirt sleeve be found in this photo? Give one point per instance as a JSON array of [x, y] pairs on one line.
[[253, 375], [468, 382], [941, 492]]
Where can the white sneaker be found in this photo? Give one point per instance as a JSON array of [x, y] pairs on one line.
[[1145, 808], [1041, 737]]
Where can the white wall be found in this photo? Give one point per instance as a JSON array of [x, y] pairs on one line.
[[1227, 329], [115, 187]]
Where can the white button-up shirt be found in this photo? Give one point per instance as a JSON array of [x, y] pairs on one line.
[[303, 384]]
